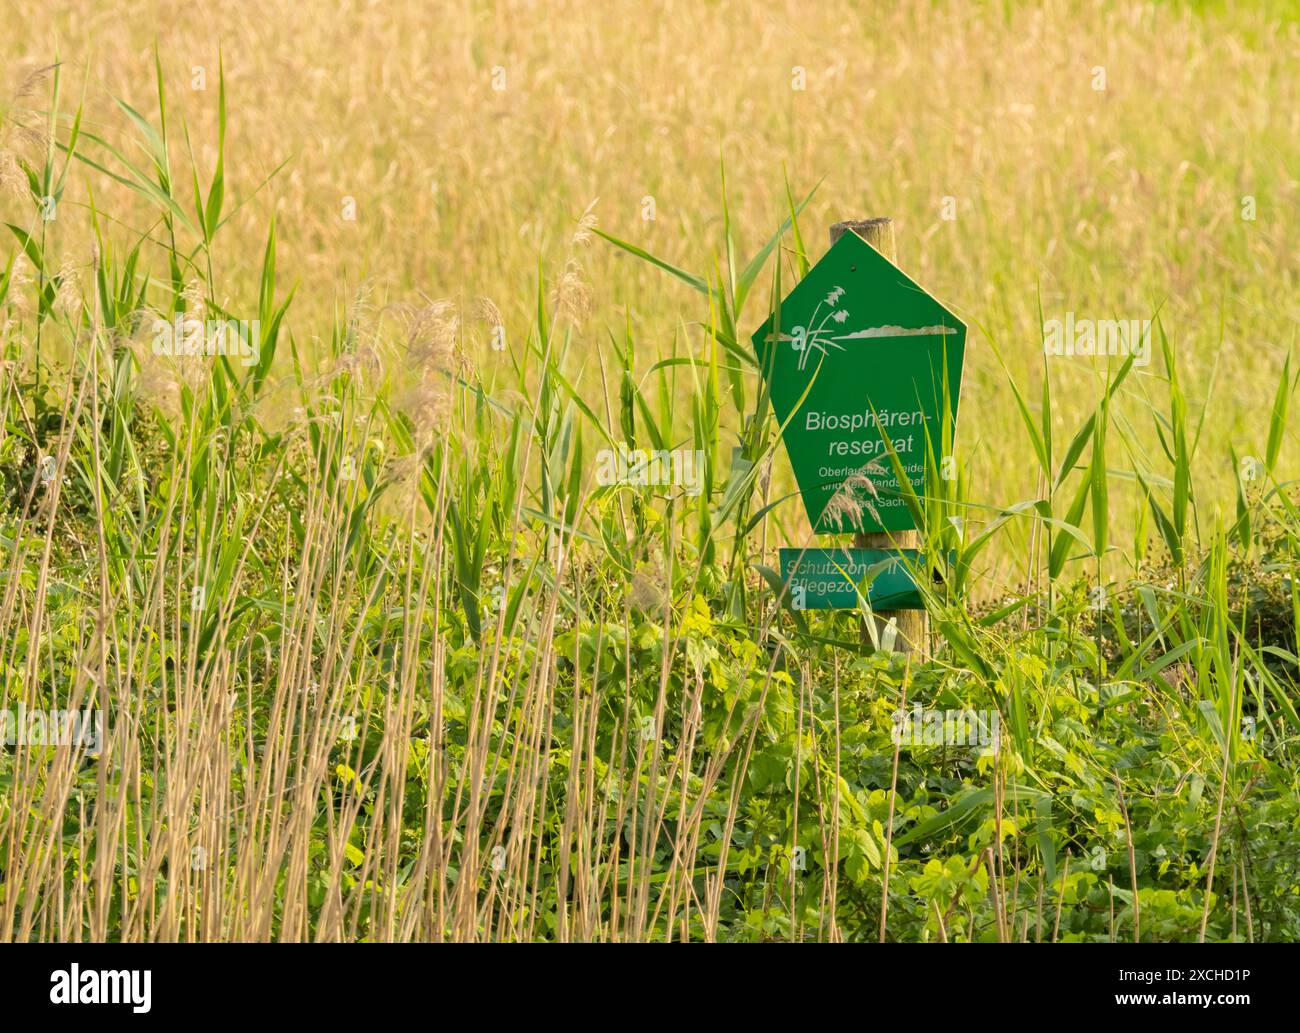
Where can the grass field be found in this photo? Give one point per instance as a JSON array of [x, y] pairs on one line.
[[1117, 201], [377, 654]]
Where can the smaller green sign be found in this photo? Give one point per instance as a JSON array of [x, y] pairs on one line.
[[826, 579]]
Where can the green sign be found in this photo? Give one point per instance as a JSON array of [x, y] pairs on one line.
[[828, 579], [862, 353]]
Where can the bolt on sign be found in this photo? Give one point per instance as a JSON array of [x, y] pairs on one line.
[[864, 360]]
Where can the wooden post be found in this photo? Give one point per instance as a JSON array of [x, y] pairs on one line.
[[912, 624]]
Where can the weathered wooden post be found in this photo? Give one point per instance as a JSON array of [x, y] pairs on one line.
[[912, 624]]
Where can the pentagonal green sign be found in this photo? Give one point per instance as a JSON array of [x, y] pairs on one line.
[[863, 353]]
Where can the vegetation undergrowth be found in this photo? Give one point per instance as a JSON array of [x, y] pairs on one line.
[[379, 657]]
